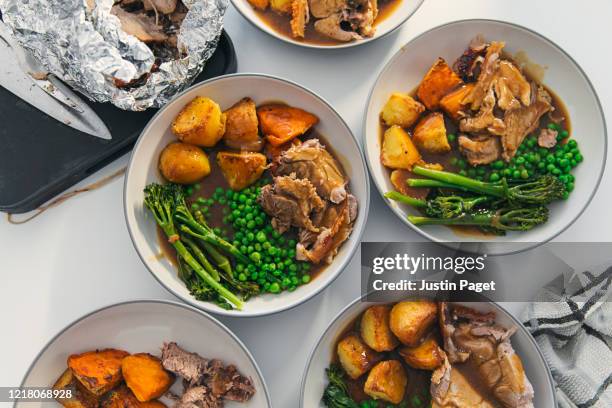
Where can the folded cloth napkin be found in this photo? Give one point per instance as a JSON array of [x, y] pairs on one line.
[[573, 327]]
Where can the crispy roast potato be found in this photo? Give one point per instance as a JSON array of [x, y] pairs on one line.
[[375, 330], [398, 151], [426, 356], [452, 103], [241, 169], [409, 321], [281, 123], [80, 397], [439, 80], [398, 179], [98, 371], [122, 397], [355, 356], [387, 381], [259, 4], [402, 110], [145, 376], [201, 123], [430, 134], [242, 126], [281, 6], [183, 163]]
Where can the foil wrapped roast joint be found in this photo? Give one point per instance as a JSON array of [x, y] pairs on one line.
[[136, 66]]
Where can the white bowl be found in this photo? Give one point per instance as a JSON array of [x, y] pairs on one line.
[[143, 326], [563, 76], [314, 379], [388, 25], [226, 90]]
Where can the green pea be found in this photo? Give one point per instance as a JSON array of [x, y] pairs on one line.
[[564, 134], [255, 257], [572, 144], [195, 207], [471, 173], [578, 158], [563, 163], [250, 224], [556, 172], [520, 160], [569, 186], [305, 278], [516, 174], [189, 191], [463, 173], [481, 171], [453, 161], [494, 177], [451, 137], [524, 174], [242, 277], [553, 126], [462, 164], [567, 169]]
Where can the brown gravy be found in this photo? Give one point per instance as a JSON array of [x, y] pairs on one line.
[[281, 23]]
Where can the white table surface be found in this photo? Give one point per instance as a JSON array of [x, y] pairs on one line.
[[78, 257]]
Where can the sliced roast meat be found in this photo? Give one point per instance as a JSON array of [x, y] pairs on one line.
[[160, 6], [511, 87], [450, 388], [486, 77], [466, 66], [480, 150], [473, 338], [325, 8], [335, 227], [310, 160], [332, 26], [290, 202], [524, 120], [485, 119], [140, 25], [207, 381], [547, 138]]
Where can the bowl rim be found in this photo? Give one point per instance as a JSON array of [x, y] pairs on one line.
[[362, 298], [363, 207], [163, 302], [392, 60], [258, 24]]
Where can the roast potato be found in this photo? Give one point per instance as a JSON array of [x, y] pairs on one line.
[[242, 126], [122, 397], [430, 134], [355, 356], [426, 356], [410, 320], [387, 381], [398, 151], [281, 123], [398, 180], [80, 397], [241, 169], [98, 371], [401, 110], [201, 123], [439, 80], [452, 103], [183, 163], [145, 376], [375, 330]]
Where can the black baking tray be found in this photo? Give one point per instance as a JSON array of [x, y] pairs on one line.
[[41, 157]]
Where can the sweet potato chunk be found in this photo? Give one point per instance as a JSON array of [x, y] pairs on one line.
[[241, 169], [387, 381], [430, 134], [355, 356], [409, 321], [122, 397], [145, 376], [201, 123], [242, 127], [375, 330], [398, 151], [402, 110], [259, 4], [439, 80], [98, 371], [281, 123], [425, 356], [452, 103], [80, 397]]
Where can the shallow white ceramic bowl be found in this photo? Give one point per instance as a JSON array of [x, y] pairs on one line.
[[226, 90], [563, 76], [143, 326], [314, 379], [391, 23]]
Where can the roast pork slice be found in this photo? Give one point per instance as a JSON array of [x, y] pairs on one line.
[[480, 150]]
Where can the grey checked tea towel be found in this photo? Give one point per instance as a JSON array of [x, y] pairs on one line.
[[573, 328]]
